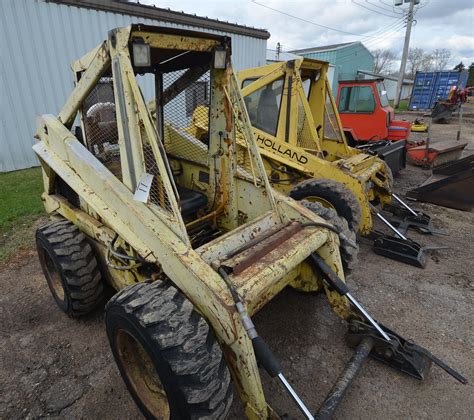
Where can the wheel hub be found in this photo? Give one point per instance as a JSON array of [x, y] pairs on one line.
[[142, 375], [320, 200], [53, 277]]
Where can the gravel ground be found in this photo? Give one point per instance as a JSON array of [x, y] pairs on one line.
[[53, 366]]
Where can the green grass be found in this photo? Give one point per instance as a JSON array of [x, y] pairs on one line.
[[20, 207], [402, 106]]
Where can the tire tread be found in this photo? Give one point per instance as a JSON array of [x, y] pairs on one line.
[[78, 264], [186, 342]]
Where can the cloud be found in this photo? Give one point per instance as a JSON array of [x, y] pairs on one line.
[[439, 23]]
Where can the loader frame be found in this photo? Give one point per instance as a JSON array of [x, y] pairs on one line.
[[156, 234], [309, 141]]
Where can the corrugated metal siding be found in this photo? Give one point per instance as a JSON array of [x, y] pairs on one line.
[[329, 56], [352, 58], [38, 41], [347, 61]]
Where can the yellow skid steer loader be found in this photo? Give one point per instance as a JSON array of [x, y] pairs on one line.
[[189, 233], [306, 154]]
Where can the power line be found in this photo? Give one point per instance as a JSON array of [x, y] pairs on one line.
[[309, 21], [373, 39], [375, 11], [373, 42], [390, 9]]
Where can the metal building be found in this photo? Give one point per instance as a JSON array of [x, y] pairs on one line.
[[40, 38], [274, 56], [348, 59]]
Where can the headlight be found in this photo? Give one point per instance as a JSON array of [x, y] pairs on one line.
[[220, 58], [141, 54]]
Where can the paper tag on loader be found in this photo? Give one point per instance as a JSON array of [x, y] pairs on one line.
[[143, 188]]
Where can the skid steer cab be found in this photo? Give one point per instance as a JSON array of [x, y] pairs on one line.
[[186, 229], [306, 155]]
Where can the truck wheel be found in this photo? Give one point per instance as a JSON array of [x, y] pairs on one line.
[[167, 354], [330, 194], [348, 246], [70, 267]]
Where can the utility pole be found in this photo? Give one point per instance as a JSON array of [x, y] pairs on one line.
[[278, 51], [403, 64]]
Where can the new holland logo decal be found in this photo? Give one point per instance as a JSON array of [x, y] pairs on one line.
[[281, 149]]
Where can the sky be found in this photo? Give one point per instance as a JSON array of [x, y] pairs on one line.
[[438, 23]]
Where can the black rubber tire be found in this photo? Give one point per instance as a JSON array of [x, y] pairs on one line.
[[340, 197], [64, 250], [348, 246], [187, 358]]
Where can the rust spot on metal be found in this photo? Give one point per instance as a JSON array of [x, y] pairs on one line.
[[259, 247]]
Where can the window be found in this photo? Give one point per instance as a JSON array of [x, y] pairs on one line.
[[382, 94], [356, 99], [263, 106], [306, 86], [196, 95], [100, 125]]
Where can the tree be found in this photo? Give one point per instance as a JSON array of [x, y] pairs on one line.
[[415, 58], [441, 58], [459, 67], [427, 62], [383, 60], [470, 80], [419, 60]]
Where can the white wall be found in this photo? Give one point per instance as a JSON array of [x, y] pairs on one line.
[[38, 41], [391, 87]]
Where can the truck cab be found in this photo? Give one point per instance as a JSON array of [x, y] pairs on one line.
[[366, 114]]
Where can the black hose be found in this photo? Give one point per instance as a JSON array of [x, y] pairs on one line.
[[322, 225]]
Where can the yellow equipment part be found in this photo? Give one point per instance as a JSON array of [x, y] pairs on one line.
[[131, 184], [419, 127], [300, 135]]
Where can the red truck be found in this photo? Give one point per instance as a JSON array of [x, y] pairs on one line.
[[369, 123]]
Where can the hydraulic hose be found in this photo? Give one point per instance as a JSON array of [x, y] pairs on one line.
[[263, 353]]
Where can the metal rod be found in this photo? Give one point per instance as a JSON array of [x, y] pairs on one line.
[[396, 197], [397, 232], [428, 135], [368, 317], [295, 397], [338, 391], [458, 135]]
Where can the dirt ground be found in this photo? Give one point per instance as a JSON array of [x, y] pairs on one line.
[[53, 366]]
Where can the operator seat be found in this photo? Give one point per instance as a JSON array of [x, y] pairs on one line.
[[191, 202]]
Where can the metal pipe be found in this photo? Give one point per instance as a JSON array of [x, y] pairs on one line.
[[396, 197], [338, 391], [368, 317], [458, 135], [295, 397], [397, 232], [335, 282]]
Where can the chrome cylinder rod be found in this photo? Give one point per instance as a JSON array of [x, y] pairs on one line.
[[368, 317], [396, 197], [295, 397], [397, 232]]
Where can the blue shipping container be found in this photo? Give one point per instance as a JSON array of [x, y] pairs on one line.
[[433, 86]]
